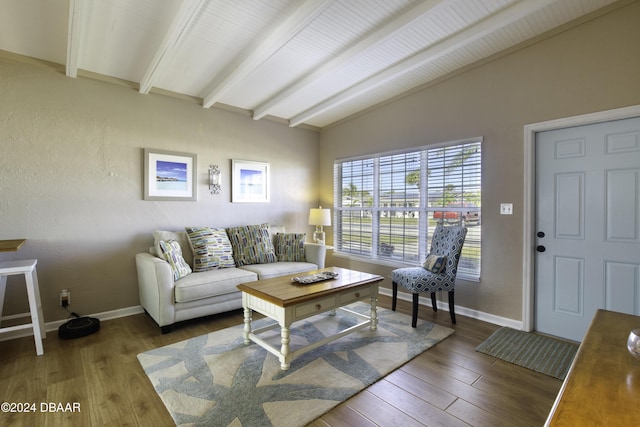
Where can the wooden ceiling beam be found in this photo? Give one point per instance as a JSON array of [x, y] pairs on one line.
[[180, 26], [384, 33], [498, 20], [74, 36], [254, 56]]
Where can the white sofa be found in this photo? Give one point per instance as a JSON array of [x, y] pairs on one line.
[[204, 293]]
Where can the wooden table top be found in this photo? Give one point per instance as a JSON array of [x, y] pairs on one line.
[[602, 387], [283, 292], [11, 245]]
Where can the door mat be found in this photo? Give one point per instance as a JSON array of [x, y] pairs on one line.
[[539, 353]]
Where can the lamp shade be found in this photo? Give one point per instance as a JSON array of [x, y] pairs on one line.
[[319, 216]]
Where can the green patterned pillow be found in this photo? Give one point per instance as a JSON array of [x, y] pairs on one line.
[[211, 248], [435, 263], [252, 245], [290, 246], [173, 255]]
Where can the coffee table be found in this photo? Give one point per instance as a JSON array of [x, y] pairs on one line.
[[286, 301]]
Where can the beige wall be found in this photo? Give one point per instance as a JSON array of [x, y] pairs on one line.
[[71, 159], [592, 67]]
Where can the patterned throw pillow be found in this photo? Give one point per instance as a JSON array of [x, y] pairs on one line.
[[435, 263], [173, 255], [290, 246], [211, 248], [252, 245], [178, 236]]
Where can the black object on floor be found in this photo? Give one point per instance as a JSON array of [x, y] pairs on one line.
[[79, 327]]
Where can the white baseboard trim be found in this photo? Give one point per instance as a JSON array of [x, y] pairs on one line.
[[463, 311], [53, 326], [130, 311]]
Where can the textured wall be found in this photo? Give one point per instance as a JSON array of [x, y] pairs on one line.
[[591, 67], [71, 170]]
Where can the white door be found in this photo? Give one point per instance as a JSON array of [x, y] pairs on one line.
[[587, 225]]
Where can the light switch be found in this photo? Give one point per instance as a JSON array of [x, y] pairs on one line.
[[506, 208]]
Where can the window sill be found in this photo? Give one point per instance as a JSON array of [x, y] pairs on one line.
[[392, 264]]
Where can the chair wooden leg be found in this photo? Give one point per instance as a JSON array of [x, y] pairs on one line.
[[451, 309], [434, 304], [414, 311], [394, 295]]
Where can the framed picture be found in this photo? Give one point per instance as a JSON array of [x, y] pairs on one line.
[[250, 182], [169, 175]]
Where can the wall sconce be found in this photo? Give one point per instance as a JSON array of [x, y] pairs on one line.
[[214, 179], [319, 217]]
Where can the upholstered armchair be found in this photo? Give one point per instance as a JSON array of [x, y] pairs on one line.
[[438, 272]]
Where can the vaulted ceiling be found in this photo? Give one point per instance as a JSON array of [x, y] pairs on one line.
[[307, 62]]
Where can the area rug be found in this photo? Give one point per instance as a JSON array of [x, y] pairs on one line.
[[539, 353], [217, 380]]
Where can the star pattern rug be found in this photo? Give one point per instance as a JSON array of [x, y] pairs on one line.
[[217, 380]]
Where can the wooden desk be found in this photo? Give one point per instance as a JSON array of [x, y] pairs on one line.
[[11, 245], [602, 387]]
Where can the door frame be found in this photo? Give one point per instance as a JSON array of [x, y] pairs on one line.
[[529, 202]]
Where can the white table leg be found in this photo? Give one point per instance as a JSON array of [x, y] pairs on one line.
[[285, 357], [374, 313], [36, 289], [247, 325], [3, 287], [36, 310]]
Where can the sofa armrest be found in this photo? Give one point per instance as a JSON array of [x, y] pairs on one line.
[[315, 253], [156, 288]]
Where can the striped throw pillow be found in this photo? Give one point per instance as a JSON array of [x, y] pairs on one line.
[[173, 255], [211, 248], [290, 246], [252, 245]]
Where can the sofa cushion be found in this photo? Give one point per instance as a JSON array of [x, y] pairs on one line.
[[268, 271], [211, 248], [290, 246], [251, 245], [173, 255], [178, 236], [211, 283]]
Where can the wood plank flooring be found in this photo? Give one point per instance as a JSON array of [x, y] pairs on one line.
[[449, 385]]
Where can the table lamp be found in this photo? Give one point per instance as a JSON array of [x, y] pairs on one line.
[[319, 217]]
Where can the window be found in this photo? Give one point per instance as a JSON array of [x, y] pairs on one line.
[[388, 205]]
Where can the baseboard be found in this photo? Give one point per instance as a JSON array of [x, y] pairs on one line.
[[463, 311], [130, 311], [53, 326]]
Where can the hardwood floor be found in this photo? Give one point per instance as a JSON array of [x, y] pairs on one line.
[[449, 385]]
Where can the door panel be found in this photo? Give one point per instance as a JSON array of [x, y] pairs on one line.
[[622, 286], [588, 207], [623, 205], [569, 285], [569, 210]]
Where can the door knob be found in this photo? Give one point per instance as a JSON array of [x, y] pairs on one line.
[[540, 248]]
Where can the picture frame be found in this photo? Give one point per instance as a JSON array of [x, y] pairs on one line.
[[170, 175], [250, 182]]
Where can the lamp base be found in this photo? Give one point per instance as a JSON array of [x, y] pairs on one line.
[[319, 236]]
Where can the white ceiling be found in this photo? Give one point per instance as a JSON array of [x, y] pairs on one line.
[[311, 62]]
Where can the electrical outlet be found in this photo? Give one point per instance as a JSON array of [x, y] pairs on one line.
[[65, 298]]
